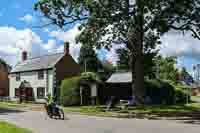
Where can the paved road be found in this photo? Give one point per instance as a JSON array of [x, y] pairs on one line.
[[88, 124]]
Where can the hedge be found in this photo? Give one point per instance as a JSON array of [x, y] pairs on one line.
[[89, 76], [160, 92], [70, 92], [182, 93]]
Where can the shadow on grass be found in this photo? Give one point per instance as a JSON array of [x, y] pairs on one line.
[[189, 114], [192, 117], [180, 113], [7, 111]]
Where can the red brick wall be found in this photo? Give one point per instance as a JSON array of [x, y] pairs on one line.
[[4, 83], [66, 68]]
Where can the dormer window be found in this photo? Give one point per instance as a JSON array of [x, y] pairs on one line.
[[40, 74]]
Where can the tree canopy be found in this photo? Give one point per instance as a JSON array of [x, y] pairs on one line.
[[88, 59], [138, 24], [166, 68]]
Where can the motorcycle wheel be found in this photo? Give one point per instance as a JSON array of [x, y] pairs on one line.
[[61, 114]]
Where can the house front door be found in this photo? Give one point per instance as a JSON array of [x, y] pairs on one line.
[[29, 94]]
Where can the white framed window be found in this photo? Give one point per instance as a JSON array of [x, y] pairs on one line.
[[40, 74], [40, 92]]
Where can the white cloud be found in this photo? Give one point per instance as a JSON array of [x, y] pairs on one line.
[[27, 18], [69, 36], [13, 42], [177, 44], [112, 55], [46, 30], [52, 47]]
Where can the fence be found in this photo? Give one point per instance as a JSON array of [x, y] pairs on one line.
[[4, 99]]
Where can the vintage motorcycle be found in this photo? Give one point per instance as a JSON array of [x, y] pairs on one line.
[[54, 111]]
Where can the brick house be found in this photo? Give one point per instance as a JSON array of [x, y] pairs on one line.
[[4, 81]]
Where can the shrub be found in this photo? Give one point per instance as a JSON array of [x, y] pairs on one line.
[[70, 92], [88, 76], [181, 94], [160, 92]]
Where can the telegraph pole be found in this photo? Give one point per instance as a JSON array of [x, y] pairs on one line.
[[85, 65], [198, 71]]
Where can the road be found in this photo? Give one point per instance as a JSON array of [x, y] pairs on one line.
[[38, 123]]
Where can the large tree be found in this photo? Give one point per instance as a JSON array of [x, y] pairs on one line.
[[166, 68], [132, 22], [123, 59], [124, 64], [88, 59]]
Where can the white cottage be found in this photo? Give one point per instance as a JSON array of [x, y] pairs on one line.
[[41, 75]]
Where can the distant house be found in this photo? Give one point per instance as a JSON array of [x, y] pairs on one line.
[[36, 77], [4, 81]]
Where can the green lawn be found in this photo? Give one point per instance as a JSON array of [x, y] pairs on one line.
[[10, 128], [100, 110], [163, 108], [12, 104]]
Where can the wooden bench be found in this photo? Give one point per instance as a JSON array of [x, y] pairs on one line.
[[123, 104]]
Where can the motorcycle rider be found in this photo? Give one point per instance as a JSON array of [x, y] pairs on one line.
[[51, 104]]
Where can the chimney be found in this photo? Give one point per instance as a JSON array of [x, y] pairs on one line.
[[66, 48], [24, 55]]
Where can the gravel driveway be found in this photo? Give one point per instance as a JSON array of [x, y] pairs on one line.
[[38, 123]]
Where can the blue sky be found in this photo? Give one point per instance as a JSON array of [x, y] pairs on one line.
[[18, 33], [17, 20]]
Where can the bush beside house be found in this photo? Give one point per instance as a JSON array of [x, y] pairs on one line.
[[70, 89], [70, 92], [166, 92], [89, 76], [182, 92], [160, 92]]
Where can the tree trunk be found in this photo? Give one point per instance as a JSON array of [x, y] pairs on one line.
[[138, 82]]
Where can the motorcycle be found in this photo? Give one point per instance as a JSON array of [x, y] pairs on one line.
[[54, 111]]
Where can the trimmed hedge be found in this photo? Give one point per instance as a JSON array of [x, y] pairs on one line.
[[181, 92], [160, 92], [88, 76], [70, 92]]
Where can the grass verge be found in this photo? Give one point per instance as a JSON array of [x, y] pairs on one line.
[[146, 110], [161, 110], [12, 104], [10, 128]]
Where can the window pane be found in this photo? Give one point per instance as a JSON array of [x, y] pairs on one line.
[[18, 78], [41, 75], [40, 93]]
